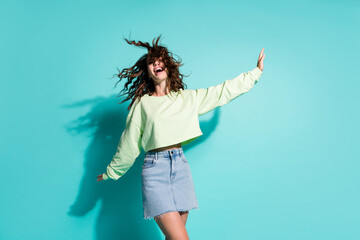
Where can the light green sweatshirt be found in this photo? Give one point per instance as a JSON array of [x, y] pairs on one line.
[[155, 122]]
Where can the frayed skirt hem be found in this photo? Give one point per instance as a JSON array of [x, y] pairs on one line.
[[178, 210]]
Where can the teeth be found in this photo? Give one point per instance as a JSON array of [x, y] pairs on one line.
[[156, 70]]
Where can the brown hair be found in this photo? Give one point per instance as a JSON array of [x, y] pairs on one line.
[[137, 75]]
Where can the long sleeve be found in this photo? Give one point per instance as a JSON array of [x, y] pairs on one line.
[[128, 149], [208, 99]]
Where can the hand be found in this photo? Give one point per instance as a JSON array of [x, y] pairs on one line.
[[260, 63], [100, 177]]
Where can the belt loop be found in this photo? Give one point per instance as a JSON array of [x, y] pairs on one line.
[[156, 156]]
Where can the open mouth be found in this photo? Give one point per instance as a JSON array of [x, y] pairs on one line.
[[158, 70]]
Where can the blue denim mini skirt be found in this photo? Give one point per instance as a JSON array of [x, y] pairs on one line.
[[167, 183]]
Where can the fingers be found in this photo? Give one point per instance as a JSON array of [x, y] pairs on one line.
[[261, 54], [99, 177], [261, 58]]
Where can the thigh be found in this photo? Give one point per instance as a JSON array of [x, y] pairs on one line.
[[184, 216], [172, 225]]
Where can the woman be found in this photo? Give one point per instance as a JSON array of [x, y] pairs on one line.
[[163, 117]]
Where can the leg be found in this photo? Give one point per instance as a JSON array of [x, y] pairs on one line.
[[184, 216], [172, 225]]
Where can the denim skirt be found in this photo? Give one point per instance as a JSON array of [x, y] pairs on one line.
[[167, 184]]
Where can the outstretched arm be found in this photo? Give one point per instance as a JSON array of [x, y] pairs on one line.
[[208, 99], [128, 149]]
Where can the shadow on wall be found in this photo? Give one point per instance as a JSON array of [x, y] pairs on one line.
[[121, 212]]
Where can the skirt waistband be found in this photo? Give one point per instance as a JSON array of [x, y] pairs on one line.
[[166, 153]]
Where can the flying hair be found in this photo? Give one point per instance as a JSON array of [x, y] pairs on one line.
[[138, 81]]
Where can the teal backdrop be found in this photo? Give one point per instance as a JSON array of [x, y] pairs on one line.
[[280, 162]]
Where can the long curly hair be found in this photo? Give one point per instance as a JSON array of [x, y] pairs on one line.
[[138, 81]]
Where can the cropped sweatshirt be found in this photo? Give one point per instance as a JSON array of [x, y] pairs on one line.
[[154, 122]]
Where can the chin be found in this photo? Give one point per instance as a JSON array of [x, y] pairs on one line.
[[162, 78]]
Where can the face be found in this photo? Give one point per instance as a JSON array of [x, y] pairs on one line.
[[157, 70]]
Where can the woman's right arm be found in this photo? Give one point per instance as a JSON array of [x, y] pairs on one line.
[[129, 146], [127, 151]]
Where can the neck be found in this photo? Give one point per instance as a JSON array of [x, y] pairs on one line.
[[160, 89]]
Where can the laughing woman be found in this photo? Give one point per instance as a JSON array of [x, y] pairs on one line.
[[163, 117]]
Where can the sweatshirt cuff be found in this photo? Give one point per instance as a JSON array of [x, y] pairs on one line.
[[105, 176], [257, 73]]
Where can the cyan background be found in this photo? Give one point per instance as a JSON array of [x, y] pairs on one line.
[[280, 162]]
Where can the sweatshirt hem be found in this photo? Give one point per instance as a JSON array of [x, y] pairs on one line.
[[182, 141]]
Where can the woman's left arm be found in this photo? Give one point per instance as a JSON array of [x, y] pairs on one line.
[[208, 99]]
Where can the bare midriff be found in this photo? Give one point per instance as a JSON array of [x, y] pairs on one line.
[[178, 145]]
